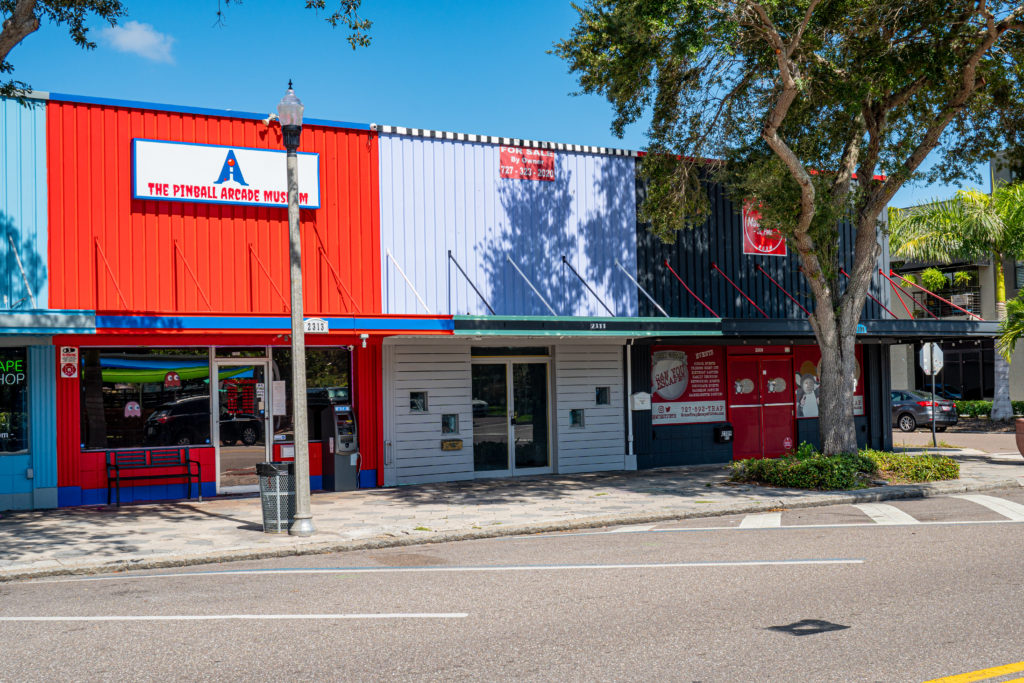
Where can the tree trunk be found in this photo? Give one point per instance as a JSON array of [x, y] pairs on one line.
[[835, 401], [1002, 409]]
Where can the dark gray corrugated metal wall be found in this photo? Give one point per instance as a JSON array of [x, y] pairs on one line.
[[720, 240]]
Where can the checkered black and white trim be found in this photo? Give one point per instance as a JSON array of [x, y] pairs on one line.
[[493, 140]]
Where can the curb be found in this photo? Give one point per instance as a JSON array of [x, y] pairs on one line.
[[818, 499]]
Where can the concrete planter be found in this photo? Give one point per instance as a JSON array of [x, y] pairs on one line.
[[1018, 424]]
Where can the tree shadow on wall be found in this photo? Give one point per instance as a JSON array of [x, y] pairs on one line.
[[535, 234], [610, 234], [15, 287]]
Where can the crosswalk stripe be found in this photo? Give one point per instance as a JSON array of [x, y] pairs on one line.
[[882, 513], [1006, 508], [762, 520]]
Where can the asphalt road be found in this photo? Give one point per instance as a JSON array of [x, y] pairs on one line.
[[906, 591]]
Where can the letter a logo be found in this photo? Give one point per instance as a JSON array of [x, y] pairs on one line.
[[230, 171]]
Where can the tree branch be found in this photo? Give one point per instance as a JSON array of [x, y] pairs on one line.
[[22, 22]]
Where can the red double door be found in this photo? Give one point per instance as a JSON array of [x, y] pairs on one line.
[[762, 407]]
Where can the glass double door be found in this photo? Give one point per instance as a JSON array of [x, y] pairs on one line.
[[243, 401], [511, 432]]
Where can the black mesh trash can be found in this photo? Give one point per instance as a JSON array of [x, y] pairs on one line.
[[277, 495]]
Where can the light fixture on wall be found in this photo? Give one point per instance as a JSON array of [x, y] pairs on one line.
[[364, 337]]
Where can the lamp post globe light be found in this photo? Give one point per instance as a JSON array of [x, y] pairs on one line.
[[289, 113]]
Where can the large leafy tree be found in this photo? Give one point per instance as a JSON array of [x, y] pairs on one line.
[[21, 18], [821, 109], [969, 227]]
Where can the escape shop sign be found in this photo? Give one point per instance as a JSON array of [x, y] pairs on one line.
[[522, 163], [758, 241], [214, 174]]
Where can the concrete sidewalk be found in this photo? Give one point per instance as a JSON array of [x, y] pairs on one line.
[[101, 539]]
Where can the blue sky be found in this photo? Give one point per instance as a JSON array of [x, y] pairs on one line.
[[467, 66]]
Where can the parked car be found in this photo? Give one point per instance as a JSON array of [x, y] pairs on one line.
[[913, 409], [187, 421]]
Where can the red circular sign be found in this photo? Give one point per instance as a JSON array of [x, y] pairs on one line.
[[69, 369]]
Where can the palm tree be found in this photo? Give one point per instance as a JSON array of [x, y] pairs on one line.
[[969, 227]]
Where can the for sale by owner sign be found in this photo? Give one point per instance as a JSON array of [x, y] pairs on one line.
[[181, 172]]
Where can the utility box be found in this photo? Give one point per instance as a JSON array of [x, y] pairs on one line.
[[724, 434], [641, 400], [340, 448]]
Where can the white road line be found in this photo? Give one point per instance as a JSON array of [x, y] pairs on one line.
[[885, 514], [762, 520], [633, 529], [251, 617], [781, 528], [433, 570], [1006, 508]]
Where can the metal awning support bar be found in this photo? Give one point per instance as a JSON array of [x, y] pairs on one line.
[[408, 282], [523, 275], [673, 271], [896, 289], [644, 291], [926, 291], [714, 267], [452, 258], [784, 291], [589, 288], [24, 278], [870, 296]]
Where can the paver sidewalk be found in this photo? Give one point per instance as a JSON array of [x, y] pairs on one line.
[[100, 539]]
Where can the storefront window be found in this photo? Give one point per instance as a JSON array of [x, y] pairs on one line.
[[145, 397], [327, 384], [13, 400]]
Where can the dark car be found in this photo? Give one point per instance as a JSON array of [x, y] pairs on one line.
[[187, 421], [913, 409]]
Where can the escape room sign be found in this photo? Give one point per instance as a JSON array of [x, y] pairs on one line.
[[688, 384], [758, 241]]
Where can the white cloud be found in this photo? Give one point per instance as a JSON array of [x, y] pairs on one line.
[[140, 39]]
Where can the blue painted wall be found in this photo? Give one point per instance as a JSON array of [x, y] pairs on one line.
[[438, 195], [23, 204], [17, 490]]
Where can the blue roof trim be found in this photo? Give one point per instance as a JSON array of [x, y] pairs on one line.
[[203, 111], [150, 323]]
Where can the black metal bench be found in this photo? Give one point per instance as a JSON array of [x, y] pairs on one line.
[[150, 458]]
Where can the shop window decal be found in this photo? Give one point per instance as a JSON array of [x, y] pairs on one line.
[[743, 386]]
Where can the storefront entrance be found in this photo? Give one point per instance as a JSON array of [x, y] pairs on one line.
[[510, 417], [242, 401], [761, 406]]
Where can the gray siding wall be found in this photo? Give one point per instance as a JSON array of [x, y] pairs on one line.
[[600, 444], [442, 369]]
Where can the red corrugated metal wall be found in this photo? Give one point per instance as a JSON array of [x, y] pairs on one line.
[[69, 432], [114, 253]]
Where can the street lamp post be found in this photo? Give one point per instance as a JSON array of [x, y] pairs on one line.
[[289, 113]]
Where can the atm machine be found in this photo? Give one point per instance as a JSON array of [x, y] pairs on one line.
[[340, 448]]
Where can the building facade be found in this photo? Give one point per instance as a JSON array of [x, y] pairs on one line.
[[481, 306]]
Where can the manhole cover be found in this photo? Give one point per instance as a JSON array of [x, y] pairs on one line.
[[808, 627]]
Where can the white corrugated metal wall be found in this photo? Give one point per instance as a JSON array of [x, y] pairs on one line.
[[440, 195]]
